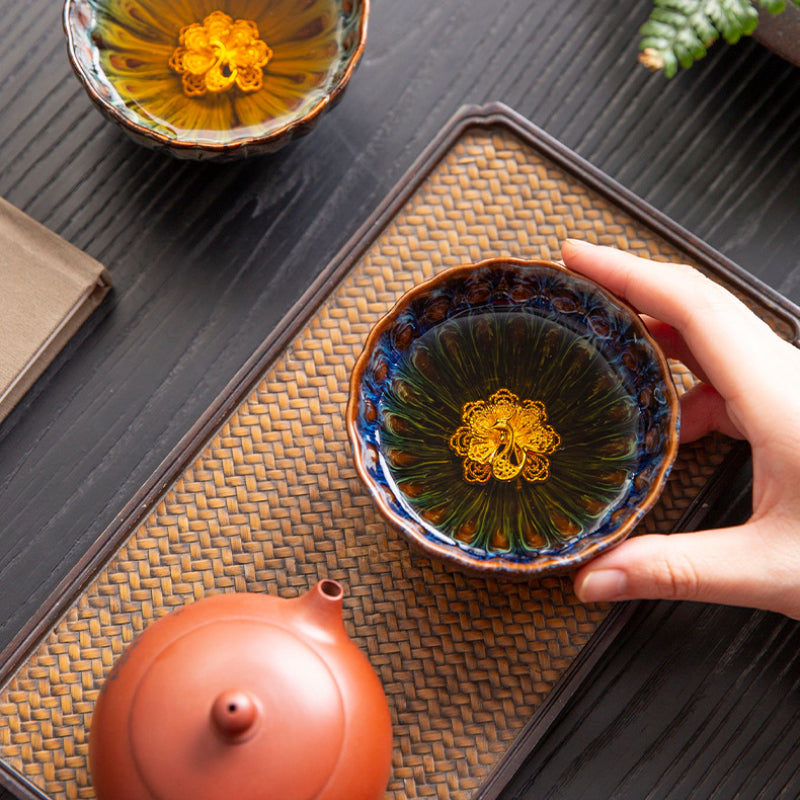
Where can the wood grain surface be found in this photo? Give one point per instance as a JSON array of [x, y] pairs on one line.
[[207, 259]]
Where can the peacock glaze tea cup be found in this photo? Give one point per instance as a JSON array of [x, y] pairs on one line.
[[215, 79], [512, 418]]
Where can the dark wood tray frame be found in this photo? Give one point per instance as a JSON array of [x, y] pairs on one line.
[[700, 513]]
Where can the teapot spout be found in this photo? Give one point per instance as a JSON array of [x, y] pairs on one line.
[[321, 608]]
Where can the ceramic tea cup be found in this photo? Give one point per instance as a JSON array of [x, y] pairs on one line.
[[220, 80], [512, 418]]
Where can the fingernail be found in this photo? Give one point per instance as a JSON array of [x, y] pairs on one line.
[[605, 584], [578, 243]]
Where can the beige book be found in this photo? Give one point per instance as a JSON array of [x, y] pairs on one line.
[[48, 288]]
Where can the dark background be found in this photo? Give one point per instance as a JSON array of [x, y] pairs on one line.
[[207, 259]]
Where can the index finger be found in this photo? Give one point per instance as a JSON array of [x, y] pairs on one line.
[[731, 344]]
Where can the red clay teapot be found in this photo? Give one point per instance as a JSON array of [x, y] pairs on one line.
[[243, 696]]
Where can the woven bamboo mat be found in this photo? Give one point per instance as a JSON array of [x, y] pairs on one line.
[[273, 503]]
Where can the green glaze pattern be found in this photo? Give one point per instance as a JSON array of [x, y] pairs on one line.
[[468, 359]]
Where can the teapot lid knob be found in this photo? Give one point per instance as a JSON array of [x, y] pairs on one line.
[[235, 714]]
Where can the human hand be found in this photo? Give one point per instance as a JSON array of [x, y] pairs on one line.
[[750, 388]]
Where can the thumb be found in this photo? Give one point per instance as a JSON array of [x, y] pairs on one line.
[[734, 566]]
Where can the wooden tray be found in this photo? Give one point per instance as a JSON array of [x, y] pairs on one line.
[[262, 495]]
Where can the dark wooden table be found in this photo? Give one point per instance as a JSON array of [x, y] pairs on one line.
[[691, 701]]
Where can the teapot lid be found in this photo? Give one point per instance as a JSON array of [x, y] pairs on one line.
[[246, 696], [230, 709]]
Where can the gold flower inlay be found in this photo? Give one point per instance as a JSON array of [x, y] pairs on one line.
[[504, 438], [217, 54]]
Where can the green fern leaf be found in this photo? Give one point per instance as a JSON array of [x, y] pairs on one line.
[[732, 18], [679, 32]]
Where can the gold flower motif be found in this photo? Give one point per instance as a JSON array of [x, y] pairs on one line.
[[504, 438], [219, 53]]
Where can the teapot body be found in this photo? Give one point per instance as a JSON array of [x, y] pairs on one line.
[[243, 695]]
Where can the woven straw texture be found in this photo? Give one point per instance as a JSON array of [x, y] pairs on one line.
[[273, 503]]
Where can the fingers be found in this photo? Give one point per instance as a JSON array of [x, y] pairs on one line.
[[727, 342], [729, 565], [674, 293], [704, 314], [703, 410], [751, 386], [673, 345]]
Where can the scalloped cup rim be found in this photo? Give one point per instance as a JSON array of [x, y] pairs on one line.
[[497, 566], [233, 148]]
